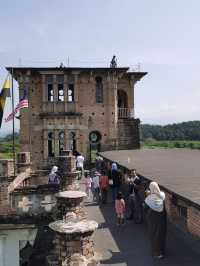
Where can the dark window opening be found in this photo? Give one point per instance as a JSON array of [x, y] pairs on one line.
[[182, 211], [72, 141], [49, 86], [99, 90], [70, 93], [60, 93], [50, 92], [50, 144], [122, 99], [94, 149], [61, 142]]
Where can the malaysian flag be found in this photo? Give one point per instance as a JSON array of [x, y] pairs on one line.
[[23, 103]]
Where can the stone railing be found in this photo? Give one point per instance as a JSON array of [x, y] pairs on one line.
[[125, 113], [19, 180]]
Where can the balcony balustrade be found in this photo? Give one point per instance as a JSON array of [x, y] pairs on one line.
[[125, 113]]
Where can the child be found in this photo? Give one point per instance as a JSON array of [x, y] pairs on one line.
[[88, 185], [120, 208]]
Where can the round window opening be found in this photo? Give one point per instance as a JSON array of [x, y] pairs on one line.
[[94, 136]]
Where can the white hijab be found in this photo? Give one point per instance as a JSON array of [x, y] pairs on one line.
[[156, 198], [54, 169], [114, 166]]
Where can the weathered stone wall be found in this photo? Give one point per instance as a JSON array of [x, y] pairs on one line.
[[6, 167], [43, 116], [4, 199]]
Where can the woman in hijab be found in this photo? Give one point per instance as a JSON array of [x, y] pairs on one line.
[[53, 176], [156, 220]]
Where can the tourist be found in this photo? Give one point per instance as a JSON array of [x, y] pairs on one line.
[[80, 163], [156, 220], [88, 185], [54, 178], [98, 163], [135, 198], [116, 180], [104, 185], [113, 62], [96, 187], [120, 208]]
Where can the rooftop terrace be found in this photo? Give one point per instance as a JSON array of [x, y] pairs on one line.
[[178, 170]]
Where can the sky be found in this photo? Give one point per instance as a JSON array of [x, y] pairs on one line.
[[162, 36]]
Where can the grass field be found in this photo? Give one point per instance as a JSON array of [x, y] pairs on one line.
[[190, 144], [6, 150], [6, 146]]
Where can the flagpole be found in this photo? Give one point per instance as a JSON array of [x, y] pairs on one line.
[[13, 120]]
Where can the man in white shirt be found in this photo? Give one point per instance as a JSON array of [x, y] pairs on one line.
[[80, 164]]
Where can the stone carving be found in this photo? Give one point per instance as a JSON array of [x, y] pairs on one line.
[[48, 203], [25, 204]]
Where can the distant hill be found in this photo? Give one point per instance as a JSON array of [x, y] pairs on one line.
[[180, 131], [9, 137]]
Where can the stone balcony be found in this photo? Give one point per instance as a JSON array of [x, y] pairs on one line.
[[125, 113]]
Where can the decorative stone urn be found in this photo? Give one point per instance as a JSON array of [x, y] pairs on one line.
[[70, 201], [73, 243]]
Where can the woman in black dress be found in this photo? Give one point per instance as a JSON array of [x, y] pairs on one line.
[[156, 220]]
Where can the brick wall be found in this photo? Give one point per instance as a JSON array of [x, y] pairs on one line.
[[171, 208], [4, 200], [95, 116], [6, 167], [190, 221], [193, 221]]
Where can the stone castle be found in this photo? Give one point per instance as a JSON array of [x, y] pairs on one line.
[[81, 109]]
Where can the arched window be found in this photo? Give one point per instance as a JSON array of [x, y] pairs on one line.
[[51, 144], [72, 141], [122, 99], [60, 84], [49, 85], [99, 90], [70, 93], [61, 138]]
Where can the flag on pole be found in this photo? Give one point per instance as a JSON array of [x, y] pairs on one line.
[[23, 103], [5, 92]]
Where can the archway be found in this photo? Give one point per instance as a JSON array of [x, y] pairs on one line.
[[122, 99]]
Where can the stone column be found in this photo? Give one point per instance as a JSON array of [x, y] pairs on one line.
[[131, 100], [112, 108], [44, 94], [73, 243], [55, 94]]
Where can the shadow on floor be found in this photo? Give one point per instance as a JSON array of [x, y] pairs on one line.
[[129, 244]]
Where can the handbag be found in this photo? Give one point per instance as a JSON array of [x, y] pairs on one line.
[[110, 182]]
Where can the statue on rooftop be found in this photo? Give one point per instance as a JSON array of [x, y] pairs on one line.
[[113, 63]]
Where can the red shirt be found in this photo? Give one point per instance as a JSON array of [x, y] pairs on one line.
[[104, 182]]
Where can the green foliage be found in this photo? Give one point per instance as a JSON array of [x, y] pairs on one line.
[[6, 146], [171, 144], [182, 131]]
